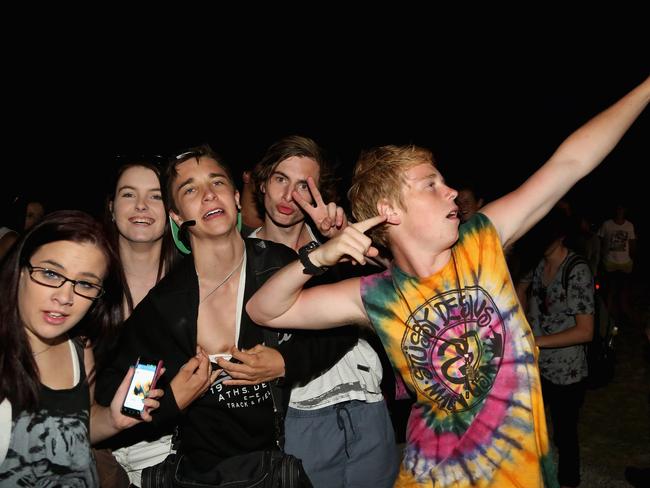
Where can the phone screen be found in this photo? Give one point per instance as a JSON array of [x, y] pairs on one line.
[[145, 373]]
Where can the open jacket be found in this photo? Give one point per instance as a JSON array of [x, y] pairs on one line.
[[164, 326]]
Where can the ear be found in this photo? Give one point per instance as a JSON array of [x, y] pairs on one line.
[[110, 209], [176, 218], [384, 207], [263, 187], [237, 200], [479, 204]]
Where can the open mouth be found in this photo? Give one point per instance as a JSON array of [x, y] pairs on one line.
[[453, 214], [141, 220], [56, 314], [55, 318], [213, 213]]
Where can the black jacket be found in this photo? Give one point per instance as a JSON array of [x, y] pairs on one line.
[[163, 326]]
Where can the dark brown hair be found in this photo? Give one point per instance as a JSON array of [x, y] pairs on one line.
[[168, 253], [286, 148], [204, 150], [19, 379]]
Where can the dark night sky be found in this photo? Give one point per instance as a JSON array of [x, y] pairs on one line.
[[493, 121]]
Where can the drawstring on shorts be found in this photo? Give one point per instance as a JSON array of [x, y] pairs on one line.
[[341, 423]]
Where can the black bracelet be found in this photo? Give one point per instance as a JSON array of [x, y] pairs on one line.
[[310, 268]]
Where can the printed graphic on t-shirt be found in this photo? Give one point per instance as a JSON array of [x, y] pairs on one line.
[[461, 343], [618, 241], [232, 397], [284, 337], [49, 451], [337, 394], [454, 347]]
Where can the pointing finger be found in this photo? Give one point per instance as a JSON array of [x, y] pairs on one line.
[[367, 224]]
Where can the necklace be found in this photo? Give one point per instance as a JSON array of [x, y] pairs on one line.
[[34, 354], [225, 279]]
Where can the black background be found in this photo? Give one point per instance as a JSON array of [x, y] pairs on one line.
[[491, 114]]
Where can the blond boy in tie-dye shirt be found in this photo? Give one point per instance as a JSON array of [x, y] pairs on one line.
[[462, 345]]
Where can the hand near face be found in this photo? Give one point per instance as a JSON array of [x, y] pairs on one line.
[[350, 245], [330, 219]]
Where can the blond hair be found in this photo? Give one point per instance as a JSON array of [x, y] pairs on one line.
[[380, 174]]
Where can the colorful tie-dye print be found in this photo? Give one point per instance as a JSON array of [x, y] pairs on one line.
[[463, 346]]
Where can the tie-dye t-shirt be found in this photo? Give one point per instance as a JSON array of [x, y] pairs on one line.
[[462, 345]]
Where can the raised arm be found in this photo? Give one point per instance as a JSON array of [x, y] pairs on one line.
[[515, 213], [282, 302]]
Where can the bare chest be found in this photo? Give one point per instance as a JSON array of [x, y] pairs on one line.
[[217, 319]]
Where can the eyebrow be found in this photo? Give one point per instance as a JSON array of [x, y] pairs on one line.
[[434, 176], [129, 187], [186, 182], [62, 268], [211, 176], [304, 180]]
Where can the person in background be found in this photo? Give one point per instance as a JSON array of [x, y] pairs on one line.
[[19, 216], [468, 202], [250, 215], [8, 238], [561, 315], [338, 423], [33, 214], [137, 226], [617, 252], [589, 243]]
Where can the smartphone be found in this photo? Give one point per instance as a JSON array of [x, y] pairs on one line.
[[144, 379]]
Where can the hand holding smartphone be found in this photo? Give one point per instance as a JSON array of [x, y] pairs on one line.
[[144, 380]]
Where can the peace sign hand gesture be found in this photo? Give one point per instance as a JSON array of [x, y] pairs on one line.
[[330, 219]]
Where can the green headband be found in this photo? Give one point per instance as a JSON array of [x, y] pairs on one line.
[[176, 231]]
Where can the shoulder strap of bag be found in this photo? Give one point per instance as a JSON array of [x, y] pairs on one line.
[[263, 260], [571, 263], [271, 340]]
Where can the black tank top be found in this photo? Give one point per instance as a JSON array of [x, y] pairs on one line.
[[51, 446]]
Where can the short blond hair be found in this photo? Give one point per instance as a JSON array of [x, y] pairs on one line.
[[380, 174]]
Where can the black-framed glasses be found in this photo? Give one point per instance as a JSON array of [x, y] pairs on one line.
[[53, 279]]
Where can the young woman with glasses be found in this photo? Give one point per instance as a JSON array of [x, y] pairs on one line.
[[61, 271]]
